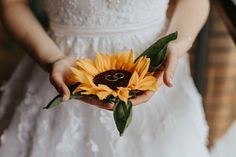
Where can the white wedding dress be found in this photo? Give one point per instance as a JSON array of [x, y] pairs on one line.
[[170, 124]]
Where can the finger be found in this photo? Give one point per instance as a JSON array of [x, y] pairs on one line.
[[171, 64], [159, 76], [142, 98], [97, 102], [60, 85], [158, 73]]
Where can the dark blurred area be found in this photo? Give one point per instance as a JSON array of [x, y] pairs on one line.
[[213, 62], [10, 52]]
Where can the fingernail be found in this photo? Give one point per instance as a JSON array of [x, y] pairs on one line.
[[171, 82], [64, 98]]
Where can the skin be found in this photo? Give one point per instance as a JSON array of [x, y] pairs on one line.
[[188, 18]]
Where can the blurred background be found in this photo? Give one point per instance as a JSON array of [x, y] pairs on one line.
[[213, 63]]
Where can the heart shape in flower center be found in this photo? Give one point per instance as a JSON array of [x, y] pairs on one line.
[[113, 78]]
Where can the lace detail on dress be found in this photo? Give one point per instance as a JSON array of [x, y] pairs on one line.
[[116, 4], [103, 13]]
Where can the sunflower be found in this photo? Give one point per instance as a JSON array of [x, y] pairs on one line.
[[115, 75]]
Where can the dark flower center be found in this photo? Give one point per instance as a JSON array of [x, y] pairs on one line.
[[113, 78]]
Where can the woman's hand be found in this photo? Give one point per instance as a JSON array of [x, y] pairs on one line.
[[176, 50], [59, 73]]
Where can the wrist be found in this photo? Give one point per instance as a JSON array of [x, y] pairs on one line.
[[187, 39], [181, 45], [50, 58], [64, 61]]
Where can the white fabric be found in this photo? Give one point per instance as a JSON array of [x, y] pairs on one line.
[[171, 124]]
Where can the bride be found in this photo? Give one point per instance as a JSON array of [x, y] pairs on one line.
[[168, 123]]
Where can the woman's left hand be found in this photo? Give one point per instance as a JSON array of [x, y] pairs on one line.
[[176, 50]]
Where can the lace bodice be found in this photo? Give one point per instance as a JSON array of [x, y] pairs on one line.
[[105, 13]]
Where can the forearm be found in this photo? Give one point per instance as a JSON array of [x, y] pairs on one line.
[[188, 18], [24, 27]]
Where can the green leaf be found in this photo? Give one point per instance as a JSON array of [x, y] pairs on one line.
[[160, 59], [54, 102], [134, 93], [130, 113], [122, 115], [157, 52], [59, 99], [110, 99]]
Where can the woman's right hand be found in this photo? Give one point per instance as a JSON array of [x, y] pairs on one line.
[[59, 72]]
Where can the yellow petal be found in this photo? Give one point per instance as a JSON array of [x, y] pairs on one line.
[[104, 88], [125, 60], [123, 94], [128, 59], [102, 62], [103, 94], [87, 66], [90, 80], [88, 90], [78, 75], [113, 62], [133, 80], [142, 66], [102, 91], [90, 61], [148, 83]]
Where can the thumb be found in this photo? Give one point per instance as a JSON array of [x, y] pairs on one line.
[[171, 64], [60, 86]]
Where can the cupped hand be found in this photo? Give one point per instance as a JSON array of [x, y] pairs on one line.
[[59, 72], [59, 77], [166, 73]]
